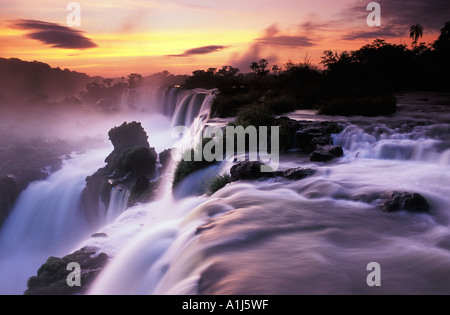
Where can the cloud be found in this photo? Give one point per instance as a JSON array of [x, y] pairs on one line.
[[432, 14], [200, 51], [289, 41], [135, 20], [53, 34], [272, 37], [373, 33]]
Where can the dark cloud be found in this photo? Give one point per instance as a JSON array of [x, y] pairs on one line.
[[396, 18], [54, 34], [273, 37], [316, 26], [373, 33], [200, 51], [285, 40], [432, 14]]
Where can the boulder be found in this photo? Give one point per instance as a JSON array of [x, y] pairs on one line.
[[326, 153], [313, 134], [298, 173], [52, 276], [412, 202], [248, 170]]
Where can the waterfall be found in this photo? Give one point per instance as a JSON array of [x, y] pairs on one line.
[[182, 105], [118, 203], [313, 236], [378, 141], [46, 220]]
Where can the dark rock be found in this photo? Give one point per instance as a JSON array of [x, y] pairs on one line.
[[165, 158], [138, 161], [52, 276], [326, 153], [143, 190], [99, 235], [128, 135], [413, 202], [9, 192], [248, 170], [298, 173], [131, 160], [314, 134], [288, 129]]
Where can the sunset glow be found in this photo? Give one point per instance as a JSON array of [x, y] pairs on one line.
[[151, 36]]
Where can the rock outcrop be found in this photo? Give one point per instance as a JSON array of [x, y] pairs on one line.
[[251, 170], [52, 276], [248, 170], [326, 153], [412, 202], [298, 173], [132, 164]]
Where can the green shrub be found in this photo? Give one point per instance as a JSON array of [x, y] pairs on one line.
[[282, 104], [226, 105], [218, 183], [255, 115], [185, 168]]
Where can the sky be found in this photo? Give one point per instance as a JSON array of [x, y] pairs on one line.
[[116, 38]]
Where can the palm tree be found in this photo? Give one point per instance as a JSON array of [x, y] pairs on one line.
[[415, 32]]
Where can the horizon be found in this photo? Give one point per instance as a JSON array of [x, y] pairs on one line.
[[115, 39]]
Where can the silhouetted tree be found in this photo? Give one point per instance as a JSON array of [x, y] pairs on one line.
[[134, 79], [260, 67], [443, 42], [415, 32]]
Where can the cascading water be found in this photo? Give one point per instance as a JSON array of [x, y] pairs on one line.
[[182, 105], [316, 235], [118, 203], [275, 236], [47, 220]]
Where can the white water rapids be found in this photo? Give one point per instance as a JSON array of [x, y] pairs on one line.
[[274, 236]]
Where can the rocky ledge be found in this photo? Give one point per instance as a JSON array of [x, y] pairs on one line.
[[52, 276]]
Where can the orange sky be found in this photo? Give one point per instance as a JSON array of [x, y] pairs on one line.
[[145, 36]]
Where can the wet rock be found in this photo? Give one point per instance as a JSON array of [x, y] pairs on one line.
[[128, 135], [248, 170], [131, 160], [9, 192], [99, 235], [52, 276], [326, 153], [314, 134], [298, 173], [288, 129], [395, 201], [165, 158]]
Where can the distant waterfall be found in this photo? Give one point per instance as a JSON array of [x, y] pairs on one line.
[[182, 105]]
